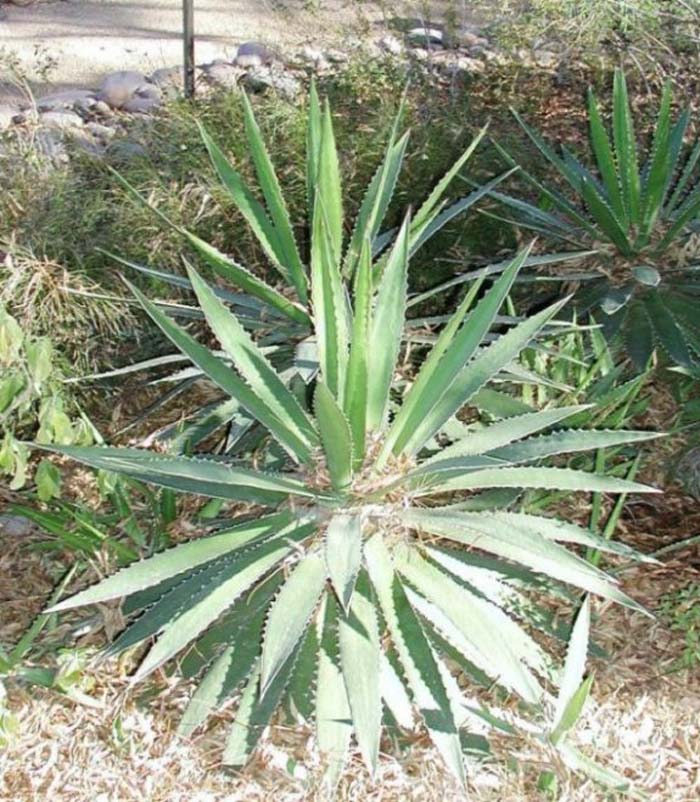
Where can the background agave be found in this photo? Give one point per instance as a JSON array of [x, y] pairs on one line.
[[383, 553], [638, 210]]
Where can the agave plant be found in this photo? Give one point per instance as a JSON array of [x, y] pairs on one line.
[[278, 314], [639, 210], [376, 562]]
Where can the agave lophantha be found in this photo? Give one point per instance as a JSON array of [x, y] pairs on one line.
[[377, 554], [638, 210], [278, 312]]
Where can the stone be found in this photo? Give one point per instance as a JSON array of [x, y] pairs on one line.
[[102, 109], [15, 525], [260, 79], [61, 119], [312, 55], [119, 87], [223, 74], [253, 54], [337, 57], [140, 104], [7, 115], [101, 132], [170, 81], [467, 66], [167, 77], [426, 37], [390, 44], [65, 100]]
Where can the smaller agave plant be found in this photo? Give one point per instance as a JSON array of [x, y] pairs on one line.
[[376, 566], [639, 211], [276, 310]]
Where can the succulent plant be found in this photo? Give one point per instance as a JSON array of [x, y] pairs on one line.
[[640, 212], [379, 559]]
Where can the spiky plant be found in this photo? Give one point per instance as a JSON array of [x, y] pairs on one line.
[[374, 554], [638, 209], [278, 312]]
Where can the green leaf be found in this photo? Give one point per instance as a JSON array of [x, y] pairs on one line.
[[573, 690], [336, 437], [488, 533], [626, 148], [424, 213], [376, 200], [253, 715], [253, 365], [343, 550], [543, 478], [360, 653], [605, 159], [333, 716], [387, 330], [290, 614], [577, 761], [496, 435], [394, 694], [170, 563], [253, 212], [313, 148], [657, 177], [274, 199], [222, 375], [668, 333], [487, 631], [185, 627], [486, 364], [229, 669], [568, 441], [330, 305], [48, 480], [420, 664], [442, 370], [202, 477], [605, 218], [355, 401], [329, 189]]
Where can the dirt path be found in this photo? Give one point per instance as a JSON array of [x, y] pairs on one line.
[[88, 38]]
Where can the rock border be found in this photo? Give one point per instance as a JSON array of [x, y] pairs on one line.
[[92, 118]]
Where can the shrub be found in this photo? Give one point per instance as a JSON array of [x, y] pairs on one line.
[[377, 550], [639, 211], [33, 404]]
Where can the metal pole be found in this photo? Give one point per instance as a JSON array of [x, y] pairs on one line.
[[188, 39]]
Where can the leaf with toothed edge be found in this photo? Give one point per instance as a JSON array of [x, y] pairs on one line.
[[417, 657], [496, 643], [360, 653], [487, 533], [226, 673], [343, 553], [336, 437], [146, 573], [197, 618], [333, 716], [290, 614]]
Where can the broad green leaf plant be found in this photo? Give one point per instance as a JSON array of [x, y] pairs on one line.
[[376, 562], [33, 403], [640, 211]]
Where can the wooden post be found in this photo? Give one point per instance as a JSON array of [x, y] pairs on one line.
[[188, 41]]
